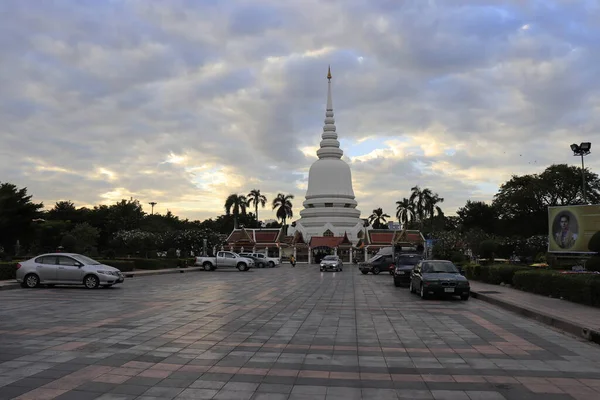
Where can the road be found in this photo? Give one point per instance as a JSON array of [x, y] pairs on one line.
[[283, 333]]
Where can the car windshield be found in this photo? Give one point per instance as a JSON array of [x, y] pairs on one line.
[[408, 260], [439, 267], [86, 260], [374, 258], [330, 258]]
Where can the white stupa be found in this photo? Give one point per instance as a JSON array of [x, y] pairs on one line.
[[330, 207]]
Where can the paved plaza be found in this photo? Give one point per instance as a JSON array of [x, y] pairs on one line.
[[279, 333]]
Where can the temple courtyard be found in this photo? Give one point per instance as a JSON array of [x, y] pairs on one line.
[[283, 333]]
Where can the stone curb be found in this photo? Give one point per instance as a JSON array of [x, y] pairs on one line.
[[559, 323], [131, 274]]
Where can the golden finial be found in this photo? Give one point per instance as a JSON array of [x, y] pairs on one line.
[[329, 72]]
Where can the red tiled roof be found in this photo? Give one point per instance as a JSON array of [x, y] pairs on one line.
[[240, 236], [326, 241], [381, 237], [266, 236]]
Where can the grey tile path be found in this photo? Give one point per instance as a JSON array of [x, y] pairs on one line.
[[279, 334]]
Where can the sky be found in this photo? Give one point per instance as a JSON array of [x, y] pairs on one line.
[[183, 102]]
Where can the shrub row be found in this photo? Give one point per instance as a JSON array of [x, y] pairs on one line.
[[8, 270], [494, 274], [154, 263], [579, 288]]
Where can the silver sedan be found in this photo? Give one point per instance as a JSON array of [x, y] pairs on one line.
[[66, 269], [332, 262]]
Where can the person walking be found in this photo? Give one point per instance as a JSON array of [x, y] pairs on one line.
[[293, 261]]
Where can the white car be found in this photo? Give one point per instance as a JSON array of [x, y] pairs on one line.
[[66, 269]]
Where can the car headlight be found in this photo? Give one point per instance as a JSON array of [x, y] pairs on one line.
[[322, 265], [104, 272]]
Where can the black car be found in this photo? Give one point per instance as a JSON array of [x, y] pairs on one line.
[[403, 268], [439, 277], [376, 264]]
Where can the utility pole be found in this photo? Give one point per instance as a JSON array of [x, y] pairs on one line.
[[153, 203]]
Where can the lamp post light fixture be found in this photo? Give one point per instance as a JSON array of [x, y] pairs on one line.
[[582, 150], [153, 203]]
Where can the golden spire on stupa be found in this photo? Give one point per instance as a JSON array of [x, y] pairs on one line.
[[329, 72]]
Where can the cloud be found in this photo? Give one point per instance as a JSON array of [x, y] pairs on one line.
[[185, 102]]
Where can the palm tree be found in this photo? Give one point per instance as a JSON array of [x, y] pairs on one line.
[[432, 207], [255, 198], [378, 218], [236, 204], [405, 211], [419, 200], [284, 207]]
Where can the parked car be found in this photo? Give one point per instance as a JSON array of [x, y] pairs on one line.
[[376, 264], [270, 261], [258, 262], [332, 263], [405, 263], [439, 277], [66, 269], [225, 259]]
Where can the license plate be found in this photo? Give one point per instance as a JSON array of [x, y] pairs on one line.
[[400, 272], [449, 290]]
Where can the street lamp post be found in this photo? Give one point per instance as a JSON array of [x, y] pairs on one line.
[[153, 203], [582, 150]]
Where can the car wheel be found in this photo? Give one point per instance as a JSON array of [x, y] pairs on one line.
[[376, 271], [271, 264], [31, 281], [241, 266], [364, 272], [464, 296], [423, 293], [207, 266], [91, 281]]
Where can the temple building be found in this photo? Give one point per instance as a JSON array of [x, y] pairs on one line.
[[329, 222], [330, 206]]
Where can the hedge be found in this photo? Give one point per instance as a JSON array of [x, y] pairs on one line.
[[493, 274], [158, 263], [578, 288], [121, 265], [8, 270]]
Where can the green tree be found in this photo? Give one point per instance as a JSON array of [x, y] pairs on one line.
[[255, 198], [378, 218], [419, 200], [69, 243], [87, 237], [236, 204], [283, 206], [64, 211], [405, 211], [522, 202], [477, 214], [17, 213]]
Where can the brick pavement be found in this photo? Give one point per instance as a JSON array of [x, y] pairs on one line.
[[279, 334], [577, 314]]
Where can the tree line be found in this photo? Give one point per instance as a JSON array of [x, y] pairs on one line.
[[519, 209]]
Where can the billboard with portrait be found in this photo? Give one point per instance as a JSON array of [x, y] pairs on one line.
[[571, 227]]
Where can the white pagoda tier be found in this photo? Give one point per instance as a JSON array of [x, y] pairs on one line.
[[330, 206]]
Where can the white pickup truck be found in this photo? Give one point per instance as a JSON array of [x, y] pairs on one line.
[[225, 259]]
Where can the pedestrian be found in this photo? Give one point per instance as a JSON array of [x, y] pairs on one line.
[[293, 261]]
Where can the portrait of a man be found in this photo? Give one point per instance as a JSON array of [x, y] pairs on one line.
[[564, 237]]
